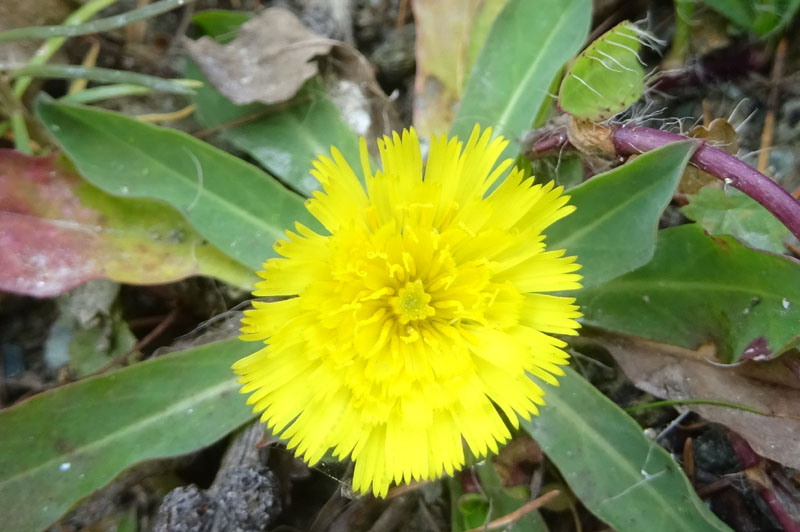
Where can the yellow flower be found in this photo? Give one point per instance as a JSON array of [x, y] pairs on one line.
[[417, 317]]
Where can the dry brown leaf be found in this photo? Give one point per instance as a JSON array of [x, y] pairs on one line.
[[672, 372], [444, 64], [719, 133], [274, 54], [268, 62]]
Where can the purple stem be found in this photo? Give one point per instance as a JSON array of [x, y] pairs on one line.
[[749, 460], [629, 140], [549, 141]]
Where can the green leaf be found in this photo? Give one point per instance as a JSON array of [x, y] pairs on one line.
[[73, 231], [220, 24], [527, 45], [730, 212], [237, 207], [606, 78], [699, 290], [473, 509], [61, 445], [760, 16], [284, 138], [502, 502], [613, 229], [620, 475]]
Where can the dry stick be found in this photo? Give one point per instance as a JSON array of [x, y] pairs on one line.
[[402, 13], [134, 33], [519, 513], [772, 106], [710, 489], [167, 117], [688, 460], [89, 60]]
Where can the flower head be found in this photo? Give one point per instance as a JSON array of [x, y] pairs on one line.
[[417, 317]]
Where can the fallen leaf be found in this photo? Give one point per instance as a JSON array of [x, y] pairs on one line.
[[443, 65], [268, 61], [285, 62], [57, 231], [720, 134], [672, 372]]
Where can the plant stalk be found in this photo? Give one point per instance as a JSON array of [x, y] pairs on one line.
[[52, 45], [630, 140], [616, 139]]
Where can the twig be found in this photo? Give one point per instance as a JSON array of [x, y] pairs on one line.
[[180, 31], [519, 513], [157, 330], [167, 117], [134, 33], [772, 106], [688, 460], [402, 13], [710, 489], [682, 402], [90, 60]]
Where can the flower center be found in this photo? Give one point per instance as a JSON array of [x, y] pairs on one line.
[[411, 303]]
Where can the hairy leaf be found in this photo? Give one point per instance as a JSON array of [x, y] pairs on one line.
[[606, 78]]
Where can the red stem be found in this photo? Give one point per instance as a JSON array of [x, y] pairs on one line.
[[751, 460], [629, 140]]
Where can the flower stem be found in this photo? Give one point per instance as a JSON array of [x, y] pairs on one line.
[[629, 140]]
